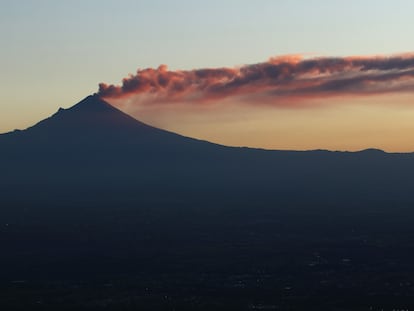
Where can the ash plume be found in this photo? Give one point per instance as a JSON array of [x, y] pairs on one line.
[[279, 77]]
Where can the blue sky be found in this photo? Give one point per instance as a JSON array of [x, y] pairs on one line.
[[54, 53]]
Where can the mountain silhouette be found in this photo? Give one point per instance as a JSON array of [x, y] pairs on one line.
[[93, 146], [88, 141], [94, 123]]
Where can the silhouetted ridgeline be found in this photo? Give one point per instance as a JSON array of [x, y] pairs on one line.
[[94, 147]]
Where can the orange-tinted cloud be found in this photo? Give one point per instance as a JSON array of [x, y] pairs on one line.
[[290, 76]]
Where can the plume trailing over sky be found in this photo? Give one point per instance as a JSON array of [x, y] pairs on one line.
[[292, 76]]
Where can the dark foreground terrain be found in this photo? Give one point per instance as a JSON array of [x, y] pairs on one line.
[[281, 257], [101, 212]]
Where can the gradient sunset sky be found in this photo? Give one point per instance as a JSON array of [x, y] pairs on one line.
[[288, 74]]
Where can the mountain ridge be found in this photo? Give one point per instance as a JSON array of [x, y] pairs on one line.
[[92, 144], [92, 105]]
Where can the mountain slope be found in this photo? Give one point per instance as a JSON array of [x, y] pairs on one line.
[[91, 121], [95, 146], [90, 140]]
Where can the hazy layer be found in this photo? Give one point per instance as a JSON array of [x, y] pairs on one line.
[[383, 121]]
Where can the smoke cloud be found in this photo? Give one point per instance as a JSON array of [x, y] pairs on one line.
[[291, 76]]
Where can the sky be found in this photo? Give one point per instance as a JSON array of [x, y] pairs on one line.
[[54, 53]]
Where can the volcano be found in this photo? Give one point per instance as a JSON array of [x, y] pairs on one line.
[[91, 128], [90, 145], [93, 146]]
